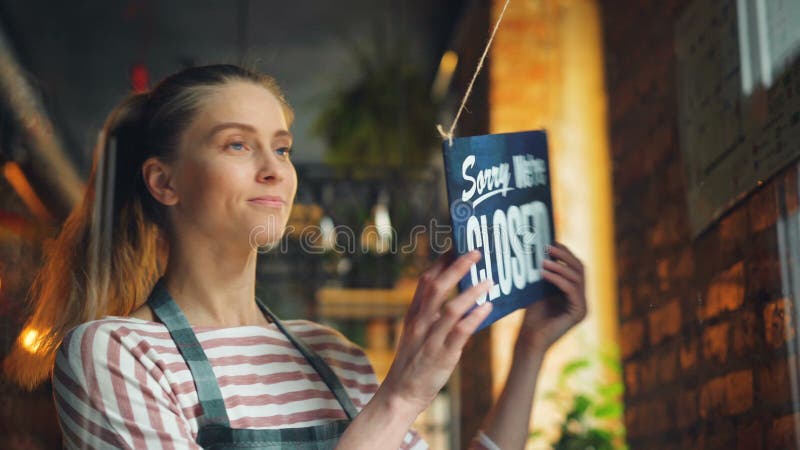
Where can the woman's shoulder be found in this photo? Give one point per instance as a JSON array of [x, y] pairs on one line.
[[110, 325], [97, 336], [94, 352]]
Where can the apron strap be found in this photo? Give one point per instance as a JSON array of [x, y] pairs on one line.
[[324, 370], [208, 394]]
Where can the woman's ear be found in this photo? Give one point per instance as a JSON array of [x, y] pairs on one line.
[[157, 176]]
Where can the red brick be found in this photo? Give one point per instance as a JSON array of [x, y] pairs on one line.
[[632, 337], [745, 333], [715, 342], [684, 268], [669, 229], [626, 301], [663, 273], [656, 415], [764, 274], [648, 373], [712, 398], [725, 292], [645, 294], [661, 141], [687, 408], [778, 327], [732, 229], [774, 382], [750, 436], [718, 434], [666, 366], [739, 391], [763, 208], [688, 355], [782, 433], [729, 394], [632, 383], [625, 263], [664, 322], [632, 420]]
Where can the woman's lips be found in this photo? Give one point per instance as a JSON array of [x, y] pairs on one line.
[[275, 202]]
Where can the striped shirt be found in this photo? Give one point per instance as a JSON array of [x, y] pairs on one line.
[[120, 382]]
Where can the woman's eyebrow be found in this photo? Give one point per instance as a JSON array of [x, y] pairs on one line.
[[222, 126], [249, 128], [283, 133]]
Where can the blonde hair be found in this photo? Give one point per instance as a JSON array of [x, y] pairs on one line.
[[76, 285]]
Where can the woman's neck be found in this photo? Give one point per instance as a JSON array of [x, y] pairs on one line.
[[213, 285]]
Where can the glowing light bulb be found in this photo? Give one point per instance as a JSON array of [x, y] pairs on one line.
[[30, 339]]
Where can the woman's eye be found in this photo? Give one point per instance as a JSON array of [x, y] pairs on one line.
[[284, 151], [238, 146]]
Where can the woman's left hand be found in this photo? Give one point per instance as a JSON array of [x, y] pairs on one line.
[[550, 318]]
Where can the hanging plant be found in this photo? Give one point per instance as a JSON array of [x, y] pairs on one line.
[[385, 118]]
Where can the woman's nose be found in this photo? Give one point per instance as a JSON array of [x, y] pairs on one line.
[[270, 169]]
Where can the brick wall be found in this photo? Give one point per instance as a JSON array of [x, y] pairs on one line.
[[704, 325]]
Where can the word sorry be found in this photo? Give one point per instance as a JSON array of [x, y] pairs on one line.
[[528, 172]]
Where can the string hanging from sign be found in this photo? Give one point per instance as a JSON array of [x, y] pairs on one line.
[[448, 135]]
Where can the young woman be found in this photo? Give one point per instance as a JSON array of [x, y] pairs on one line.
[[166, 345]]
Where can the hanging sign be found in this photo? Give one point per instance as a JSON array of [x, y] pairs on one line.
[[498, 187]]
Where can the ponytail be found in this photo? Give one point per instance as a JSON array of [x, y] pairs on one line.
[[84, 277]]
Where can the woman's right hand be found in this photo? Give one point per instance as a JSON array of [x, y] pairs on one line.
[[435, 331]]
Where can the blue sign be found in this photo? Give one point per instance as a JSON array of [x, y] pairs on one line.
[[498, 188]]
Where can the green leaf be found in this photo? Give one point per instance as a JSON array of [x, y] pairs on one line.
[[574, 366], [601, 434], [600, 439], [608, 411], [582, 403], [612, 363], [612, 389]]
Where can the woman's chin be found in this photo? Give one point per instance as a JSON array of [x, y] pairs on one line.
[[263, 237]]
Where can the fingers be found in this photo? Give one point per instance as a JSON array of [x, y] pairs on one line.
[[563, 270], [560, 251], [453, 311], [461, 332], [446, 281], [424, 281], [576, 300], [432, 290], [567, 287]]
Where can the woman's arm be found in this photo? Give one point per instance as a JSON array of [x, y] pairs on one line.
[[545, 322], [434, 334], [107, 398]]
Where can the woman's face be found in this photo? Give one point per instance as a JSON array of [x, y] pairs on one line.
[[234, 176]]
